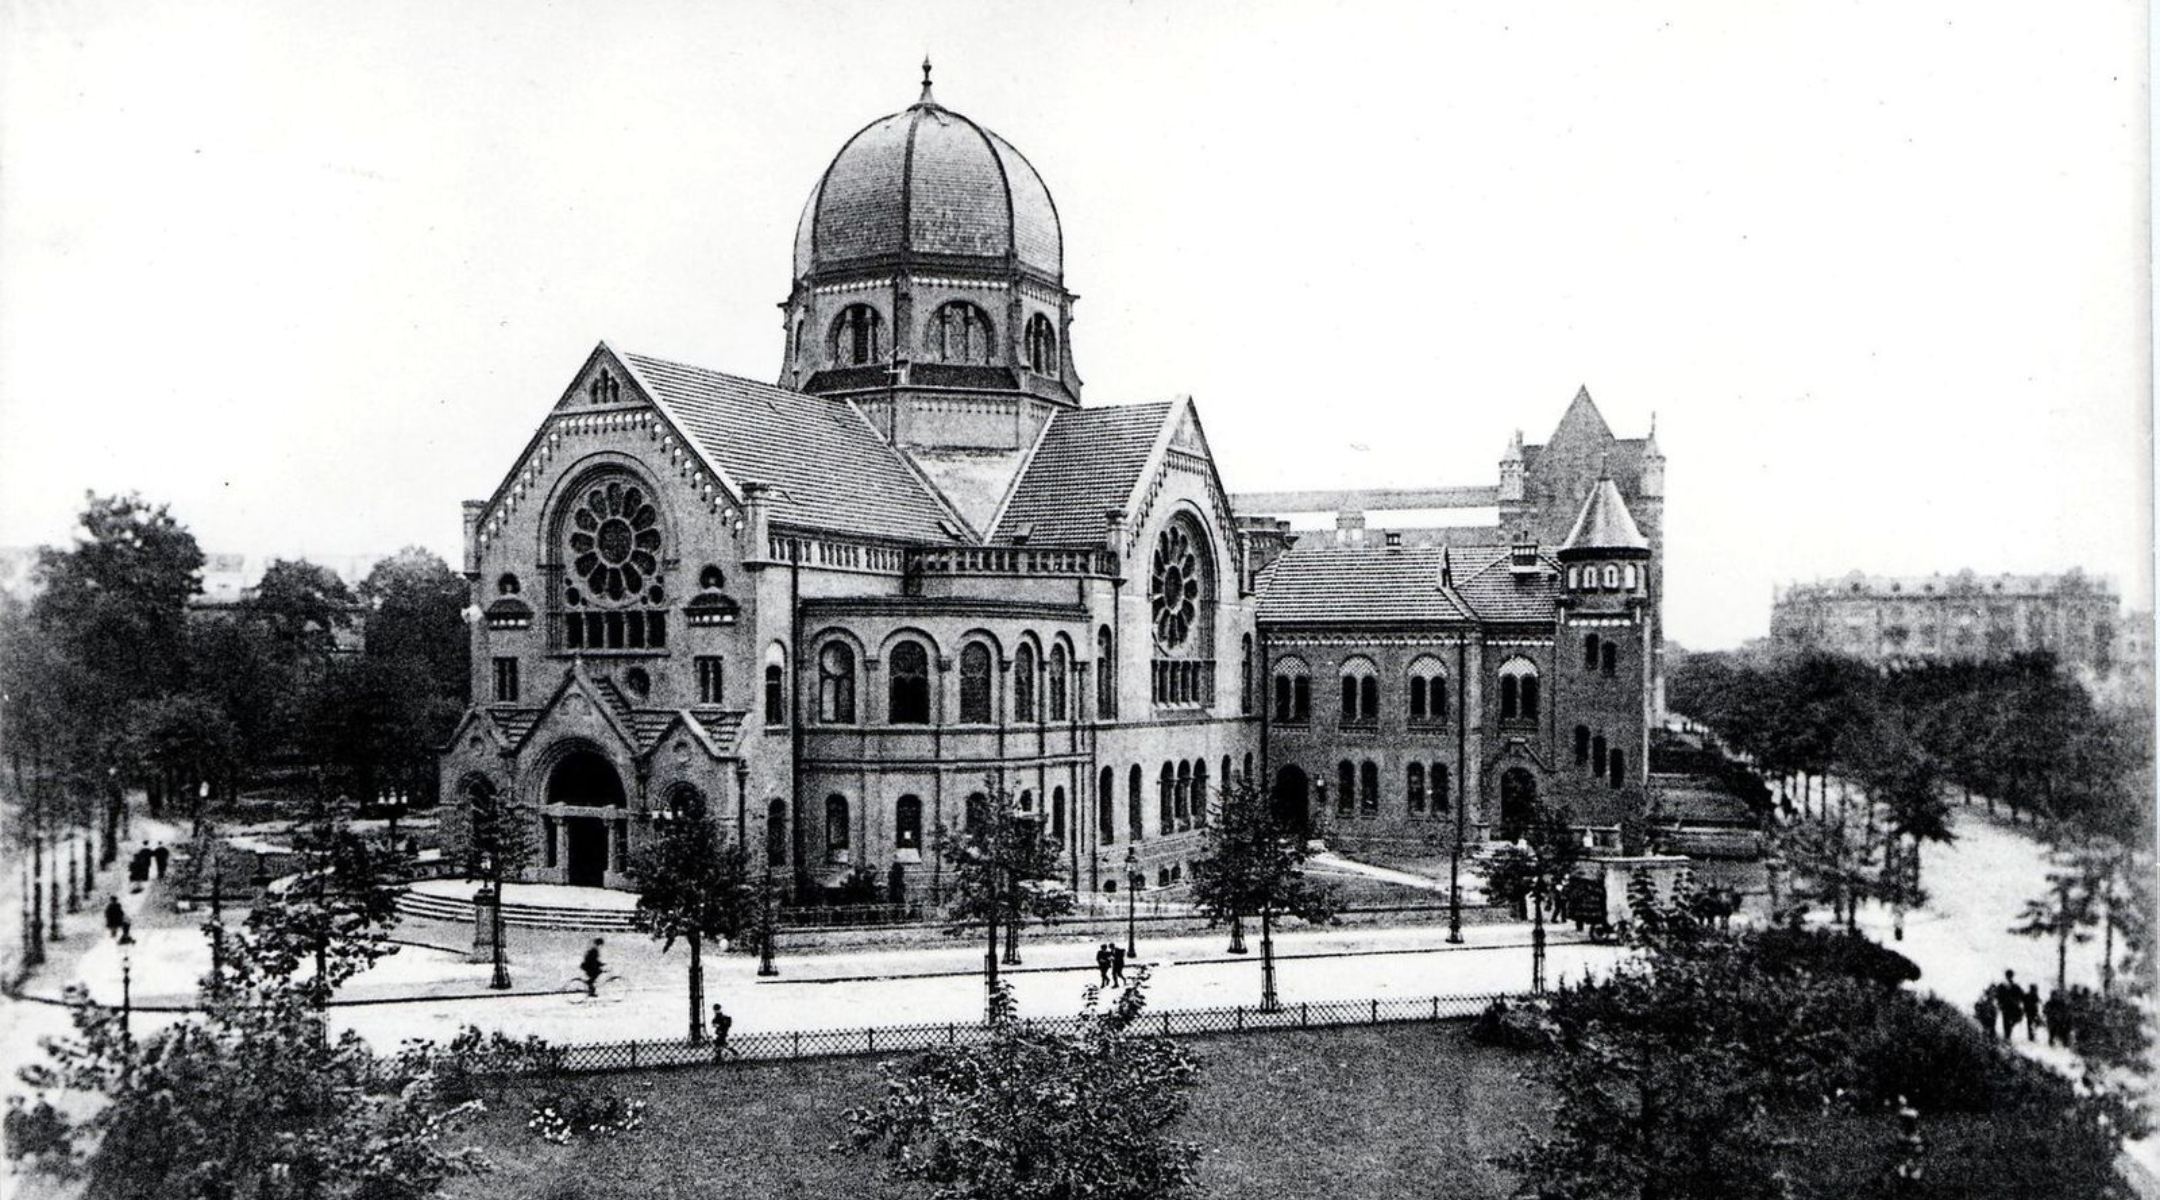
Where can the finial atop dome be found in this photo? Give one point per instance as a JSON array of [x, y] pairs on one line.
[[926, 97]]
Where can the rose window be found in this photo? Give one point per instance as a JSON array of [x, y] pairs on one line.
[[615, 542], [1174, 587]]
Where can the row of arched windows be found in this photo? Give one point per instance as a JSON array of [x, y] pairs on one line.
[[957, 332], [1425, 691], [1426, 789], [1610, 578], [1601, 760], [1042, 686]]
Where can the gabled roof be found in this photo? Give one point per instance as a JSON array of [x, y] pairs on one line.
[[1352, 584], [1605, 523], [829, 468], [1582, 422], [1085, 465], [1486, 580]]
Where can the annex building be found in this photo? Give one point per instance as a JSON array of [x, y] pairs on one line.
[[841, 609]]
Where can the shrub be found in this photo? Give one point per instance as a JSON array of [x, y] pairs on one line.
[[560, 1116]]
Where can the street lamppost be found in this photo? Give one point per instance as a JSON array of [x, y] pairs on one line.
[[769, 928], [127, 979], [1132, 894], [74, 848], [394, 803]]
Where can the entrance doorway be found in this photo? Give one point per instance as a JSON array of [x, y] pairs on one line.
[[586, 857], [1518, 803], [1289, 800]]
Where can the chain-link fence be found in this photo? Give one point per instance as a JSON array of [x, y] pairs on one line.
[[595, 1057]]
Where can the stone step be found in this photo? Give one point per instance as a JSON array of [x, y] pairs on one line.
[[523, 916]]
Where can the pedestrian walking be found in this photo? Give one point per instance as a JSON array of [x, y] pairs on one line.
[[1984, 1012], [1117, 965], [721, 1024], [1102, 962], [2032, 1010], [591, 966], [115, 917], [2056, 1010], [2010, 1002], [138, 870], [159, 856]]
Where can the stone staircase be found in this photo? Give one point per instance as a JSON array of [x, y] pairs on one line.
[[459, 911]]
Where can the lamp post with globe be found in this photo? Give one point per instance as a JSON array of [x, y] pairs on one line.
[[1132, 900]]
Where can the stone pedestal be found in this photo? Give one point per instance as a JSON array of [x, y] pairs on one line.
[[483, 938]]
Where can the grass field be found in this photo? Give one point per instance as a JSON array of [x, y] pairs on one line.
[[1369, 1111]]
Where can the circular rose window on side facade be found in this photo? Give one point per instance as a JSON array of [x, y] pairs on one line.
[[1174, 587], [615, 541]]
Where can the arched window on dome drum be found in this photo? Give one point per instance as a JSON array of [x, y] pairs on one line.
[[1042, 348], [1023, 684], [836, 684], [858, 337], [1060, 674], [907, 693], [907, 823], [960, 333], [975, 708]]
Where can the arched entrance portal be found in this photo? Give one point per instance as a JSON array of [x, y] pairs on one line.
[[1518, 803], [585, 779], [1289, 799]]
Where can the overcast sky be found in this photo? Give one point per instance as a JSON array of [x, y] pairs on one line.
[[312, 272]]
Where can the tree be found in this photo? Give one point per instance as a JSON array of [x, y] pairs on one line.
[[1254, 866], [692, 887], [304, 604], [416, 614], [183, 741], [373, 724], [242, 668], [1536, 871], [1040, 1115], [117, 601], [253, 1098], [2063, 913], [499, 845], [336, 913], [1004, 868]]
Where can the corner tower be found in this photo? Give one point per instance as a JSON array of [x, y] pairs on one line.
[[930, 290]]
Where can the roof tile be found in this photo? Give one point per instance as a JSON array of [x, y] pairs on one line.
[[1087, 464]]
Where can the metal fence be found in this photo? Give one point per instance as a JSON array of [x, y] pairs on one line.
[[597, 1057]]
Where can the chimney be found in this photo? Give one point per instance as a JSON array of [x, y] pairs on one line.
[[473, 511], [757, 522], [1349, 528]]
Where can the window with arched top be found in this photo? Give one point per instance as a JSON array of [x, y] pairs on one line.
[[836, 684], [975, 694], [1023, 682], [1617, 763], [976, 813], [1439, 784], [1042, 345], [1597, 755], [1184, 795], [1360, 692], [1612, 577], [1135, 783], [1582, 745], [1574, 578], [1106, 806], [1244, 684], [775, 686], [1428, 691], [1057, 815], [1105, 676], [1369, 791], [1628, 577], [1518, 690], [1060, 676], [1414, 788], [858, 337], [907, 687], [960, 333], [907, 823], [1293, 691], [1166, 800], [1609, 658], [836, 828], [1199, 793], [1589, 651], [1345, 787]]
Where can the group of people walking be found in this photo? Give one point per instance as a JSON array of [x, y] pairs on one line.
[[1110, 962], [2007, 1002]]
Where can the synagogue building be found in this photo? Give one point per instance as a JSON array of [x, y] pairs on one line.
[[844, 609]]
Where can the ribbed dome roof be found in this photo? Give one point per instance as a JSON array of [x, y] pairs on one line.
[[1605, 524], [928, 181]]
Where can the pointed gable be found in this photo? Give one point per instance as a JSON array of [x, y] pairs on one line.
[[1582, 424], [1087, 464]]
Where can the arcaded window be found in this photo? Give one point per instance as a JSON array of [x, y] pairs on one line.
[[836, 684], [1023, 684], [960, 333], [1428, 692], [907, 695], [1042, 347], [858, 337], [975, 708], [1199, 792], [1060, 678], [1360, 693], [1518, 690], [1293, 691]]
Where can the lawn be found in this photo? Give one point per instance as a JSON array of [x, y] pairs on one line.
[[1326, 1113]]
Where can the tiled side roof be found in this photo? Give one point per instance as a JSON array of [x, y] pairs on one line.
[[1484, 578], [1086, 464], [829, 468], [1605, 523], [1354, 584]]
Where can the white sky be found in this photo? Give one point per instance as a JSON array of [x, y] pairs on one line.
[[311, 272]]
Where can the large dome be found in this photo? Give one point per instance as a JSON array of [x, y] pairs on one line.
[[928, 182]]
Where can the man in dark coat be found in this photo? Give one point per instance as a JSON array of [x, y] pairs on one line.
[[1984, 1012], [2058, 1020], [1117, 965], [1102, 962], [160, 856], [115, 917], [2010, 999], [2032, 1010], [721, 1024], [591, 966]]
